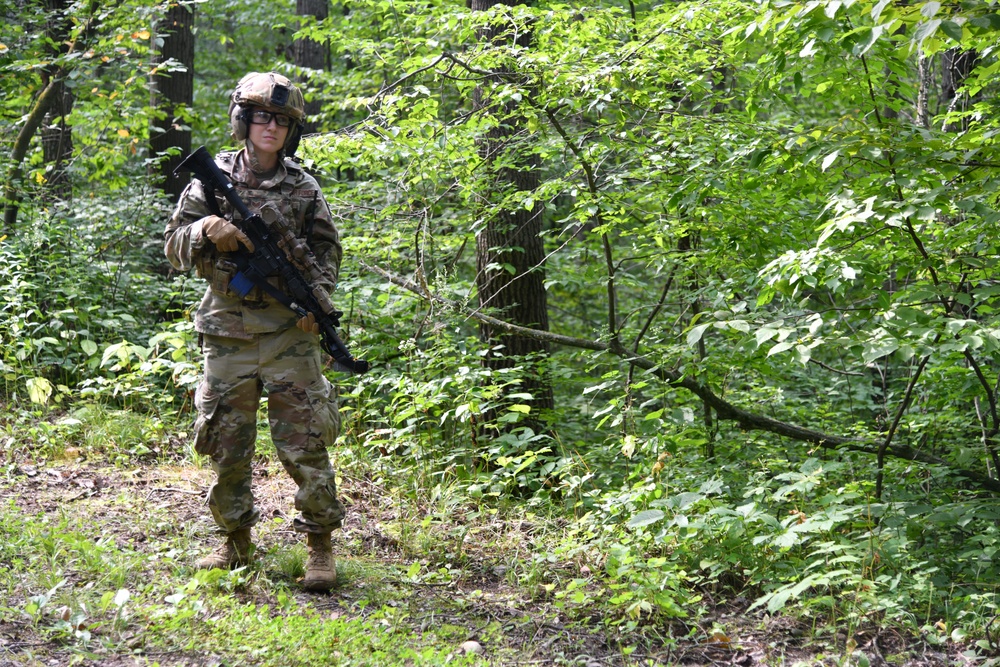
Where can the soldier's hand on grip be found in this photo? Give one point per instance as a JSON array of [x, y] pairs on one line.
[[308, 324], [225, 235]]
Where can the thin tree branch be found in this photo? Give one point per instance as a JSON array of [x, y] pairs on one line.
[[990, 395], [592, 187], [724, 410], [12, 200], [835, 370], [907, 397], [656, 310]]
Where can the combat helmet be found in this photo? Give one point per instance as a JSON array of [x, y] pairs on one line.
[[273, 92]]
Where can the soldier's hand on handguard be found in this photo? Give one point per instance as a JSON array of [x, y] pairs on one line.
[[308, 324], [225, 235]]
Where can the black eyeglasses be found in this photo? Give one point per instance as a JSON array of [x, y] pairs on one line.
[[261, 117]]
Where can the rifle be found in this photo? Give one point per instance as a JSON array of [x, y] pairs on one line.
[[276, 252]]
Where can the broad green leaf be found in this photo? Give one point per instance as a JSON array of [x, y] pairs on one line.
[[804, 354], [925, 30], [39, 390], [781, 347], [878, 349], [645, 518], [695, 334], [764, 334], [929, 9], [628, 446], [112, 351], [740, 325], [876, 12], [952, 29], [685, 499]]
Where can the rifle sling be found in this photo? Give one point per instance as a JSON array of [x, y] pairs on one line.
[[210, 199], [247, 277]]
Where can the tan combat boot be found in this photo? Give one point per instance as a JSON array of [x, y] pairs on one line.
[[234, 551], [321, 570]]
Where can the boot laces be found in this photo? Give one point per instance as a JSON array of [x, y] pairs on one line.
[[320, 559]]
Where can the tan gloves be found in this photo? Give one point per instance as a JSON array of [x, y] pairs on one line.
[[308, 324], [225, 235]]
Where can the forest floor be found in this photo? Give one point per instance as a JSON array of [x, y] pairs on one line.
[[415, 585]]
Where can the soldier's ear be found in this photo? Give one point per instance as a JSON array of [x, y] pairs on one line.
[[239, 121]]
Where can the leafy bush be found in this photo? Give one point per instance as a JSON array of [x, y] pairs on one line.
[[77, 280]]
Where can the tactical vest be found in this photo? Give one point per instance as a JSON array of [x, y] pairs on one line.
[[291, 203]]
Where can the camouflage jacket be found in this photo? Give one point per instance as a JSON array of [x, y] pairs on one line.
[[297, 196]]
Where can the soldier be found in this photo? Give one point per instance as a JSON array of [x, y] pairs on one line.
[[256, 343]]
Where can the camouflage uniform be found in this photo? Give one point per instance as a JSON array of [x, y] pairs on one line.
[[251, 344]]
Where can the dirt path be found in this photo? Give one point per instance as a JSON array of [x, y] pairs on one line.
[[466, 581]]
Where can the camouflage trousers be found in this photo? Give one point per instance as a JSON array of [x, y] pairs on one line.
[[302, 413]]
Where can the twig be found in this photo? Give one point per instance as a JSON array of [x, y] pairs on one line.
[[835, 370], [172, 489]]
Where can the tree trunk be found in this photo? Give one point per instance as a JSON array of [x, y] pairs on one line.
[[956, 65], [310, 54], [53, 102], [57, 140], [56, 134], [171, 93], [510, 255], [12, 193]]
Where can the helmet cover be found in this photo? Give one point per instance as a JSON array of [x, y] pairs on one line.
[[270, 91]]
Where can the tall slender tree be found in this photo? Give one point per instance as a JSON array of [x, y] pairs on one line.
[[51, 91], [310, 54], [56, 133], [172, 92], [509, 250]]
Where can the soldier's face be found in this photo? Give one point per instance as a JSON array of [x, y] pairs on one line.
[[268, 137]]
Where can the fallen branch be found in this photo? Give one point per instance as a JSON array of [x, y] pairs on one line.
[[725, 410]]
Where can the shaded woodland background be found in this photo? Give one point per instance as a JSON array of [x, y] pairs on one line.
[[714, 281]]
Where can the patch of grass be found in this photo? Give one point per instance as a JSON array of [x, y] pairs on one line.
[[108, 576], [91, 431], [100, 569], [77, 589], [288, 562], [384, 638]]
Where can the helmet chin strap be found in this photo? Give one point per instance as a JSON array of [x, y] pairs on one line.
[[255, 165]]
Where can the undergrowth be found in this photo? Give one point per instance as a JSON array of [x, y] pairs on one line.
[[661, 558]]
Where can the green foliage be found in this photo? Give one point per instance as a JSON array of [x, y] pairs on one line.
[[74, 287], [234, 38], [788, 208], [799, 535]]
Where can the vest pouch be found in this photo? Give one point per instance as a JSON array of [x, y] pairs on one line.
[[222, 275]]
